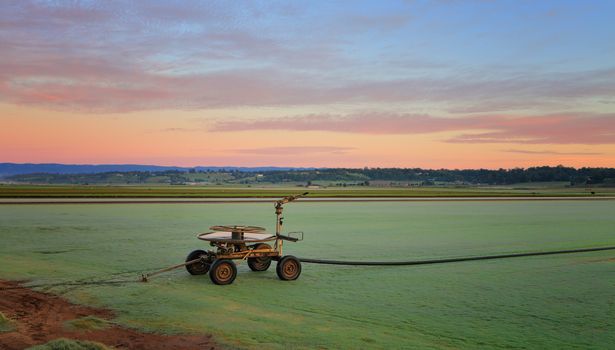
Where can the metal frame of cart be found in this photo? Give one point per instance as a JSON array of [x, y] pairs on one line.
[[243, 243]]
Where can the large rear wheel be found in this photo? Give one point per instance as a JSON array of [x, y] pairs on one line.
[[223, 272], [260, 263], [198, 268], [289, 268]]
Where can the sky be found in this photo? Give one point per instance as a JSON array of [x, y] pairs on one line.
[[431, 84]]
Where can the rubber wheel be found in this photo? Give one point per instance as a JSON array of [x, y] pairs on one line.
[[223, 272], [289, 268], [260, 263], [199, 268]]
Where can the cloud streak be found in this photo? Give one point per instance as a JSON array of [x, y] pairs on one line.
[[108, 57], [581, 128], [546, 152], [98, 85], [294, 150]]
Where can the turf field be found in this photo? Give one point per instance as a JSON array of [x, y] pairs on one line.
[[83, 191], [563, 301]]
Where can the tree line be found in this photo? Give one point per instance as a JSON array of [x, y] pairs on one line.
[[576, 176], [470, 176]]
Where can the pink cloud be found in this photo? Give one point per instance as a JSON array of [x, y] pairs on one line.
[[548, 129], [376, 123], [294, 150], [547, 152], [582, 128], [108, 56]]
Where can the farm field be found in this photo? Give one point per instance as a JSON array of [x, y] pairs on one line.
[[549, 302], [83, 191]]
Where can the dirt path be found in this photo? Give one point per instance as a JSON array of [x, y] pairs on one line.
[[40, 317]]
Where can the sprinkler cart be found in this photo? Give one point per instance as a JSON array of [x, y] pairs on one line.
[[243, 243]]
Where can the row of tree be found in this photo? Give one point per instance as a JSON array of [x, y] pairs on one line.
[[470, 176], [467, 176]]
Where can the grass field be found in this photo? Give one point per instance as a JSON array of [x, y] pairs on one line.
[[5, 323], [68, 344], [82, 191], [554, 302]]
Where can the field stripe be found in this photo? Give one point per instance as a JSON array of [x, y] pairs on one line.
[[14, 201]]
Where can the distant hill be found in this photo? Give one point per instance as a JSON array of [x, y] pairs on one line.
[[143, 174], [9, 169]]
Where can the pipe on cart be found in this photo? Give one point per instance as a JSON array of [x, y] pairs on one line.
[[145, 276]]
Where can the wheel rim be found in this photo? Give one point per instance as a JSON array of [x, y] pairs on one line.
[[259, 263], [200, 267], [290, 268], [262, 262], [224, 272]]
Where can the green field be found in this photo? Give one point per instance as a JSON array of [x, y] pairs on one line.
[[555, 302], [82, 191]]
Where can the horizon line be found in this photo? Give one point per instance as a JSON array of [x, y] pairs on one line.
[[300, 167]]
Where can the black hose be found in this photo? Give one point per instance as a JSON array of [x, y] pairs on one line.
[[99, 281], [451, 260]]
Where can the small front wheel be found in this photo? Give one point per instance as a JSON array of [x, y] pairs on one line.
[[223, 272], [200, 267], [289, 268], [260, 263]]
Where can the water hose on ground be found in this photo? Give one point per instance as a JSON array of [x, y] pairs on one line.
[[451, 260], [111, 281]]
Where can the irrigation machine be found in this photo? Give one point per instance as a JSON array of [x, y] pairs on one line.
[[243, 243]]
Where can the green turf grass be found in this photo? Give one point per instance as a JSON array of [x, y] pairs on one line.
[[548, 302], [6, 325], [77, 191], [69, 344], [88, 323]]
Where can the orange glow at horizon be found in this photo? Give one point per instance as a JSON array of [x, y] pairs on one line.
[[181, 138], [436, 84]]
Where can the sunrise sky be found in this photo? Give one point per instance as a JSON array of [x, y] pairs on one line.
[[433, 84]]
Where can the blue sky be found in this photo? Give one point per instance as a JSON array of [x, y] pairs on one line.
[[456, 71]]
